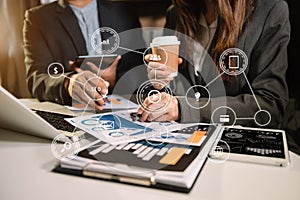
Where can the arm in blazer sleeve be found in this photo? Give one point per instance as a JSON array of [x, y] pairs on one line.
[[38, 57], [266, 75]]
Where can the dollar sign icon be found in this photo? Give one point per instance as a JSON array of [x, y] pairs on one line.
[[55, 70]]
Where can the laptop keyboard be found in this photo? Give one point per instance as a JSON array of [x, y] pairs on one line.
[[56, 120]]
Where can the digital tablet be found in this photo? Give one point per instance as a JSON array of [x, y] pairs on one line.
[[102, 61], [254, 145]]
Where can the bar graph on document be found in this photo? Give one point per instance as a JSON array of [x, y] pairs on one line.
[[192, 135], [174, 153], [141, 153], [152, 154]]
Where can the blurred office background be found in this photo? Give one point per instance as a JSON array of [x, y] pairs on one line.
[[12, 67]]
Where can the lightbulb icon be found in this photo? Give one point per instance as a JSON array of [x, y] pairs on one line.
[[197, 96]]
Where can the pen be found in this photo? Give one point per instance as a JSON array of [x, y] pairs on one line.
[[98, 89], [104, 96]]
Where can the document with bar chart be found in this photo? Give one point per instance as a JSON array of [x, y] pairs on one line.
[[171, 162]]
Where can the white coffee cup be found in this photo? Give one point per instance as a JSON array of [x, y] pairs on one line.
[[166, 50]]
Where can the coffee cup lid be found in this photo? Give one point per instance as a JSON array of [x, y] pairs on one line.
[[164, 41]]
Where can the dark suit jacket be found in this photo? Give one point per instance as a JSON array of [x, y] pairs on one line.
[[52, 34], [264, 39]]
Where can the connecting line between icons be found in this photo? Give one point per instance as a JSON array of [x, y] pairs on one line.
[[73, 79], [99, 67], [244, 118], [82, 114], [252, 91], [214, 79], [131, 50]]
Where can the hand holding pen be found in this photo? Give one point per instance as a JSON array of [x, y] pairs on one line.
[[104, 96], [88, 88]]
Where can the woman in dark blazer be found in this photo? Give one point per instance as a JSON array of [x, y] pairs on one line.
[[261, 29]]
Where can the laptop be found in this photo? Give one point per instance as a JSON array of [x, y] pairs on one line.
[[17, 117]]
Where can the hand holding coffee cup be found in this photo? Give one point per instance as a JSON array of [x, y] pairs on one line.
[[163, 62]]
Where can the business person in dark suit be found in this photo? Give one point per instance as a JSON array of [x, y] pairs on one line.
[[258, 27], [59, 32]]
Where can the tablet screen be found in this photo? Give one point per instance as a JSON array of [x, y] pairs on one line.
[[100, 61], [266, 143]]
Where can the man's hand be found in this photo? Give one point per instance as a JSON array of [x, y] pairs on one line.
[[88, 89]]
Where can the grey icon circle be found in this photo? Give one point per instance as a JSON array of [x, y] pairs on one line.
[[68, 150], [108, 45], [163, 50], [233, 61], [55, 70], [223, 115], [92, 89], [262, 118], [196, 94], [146, 89]]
